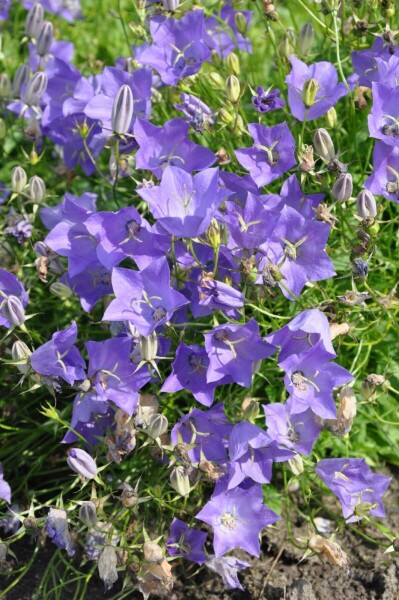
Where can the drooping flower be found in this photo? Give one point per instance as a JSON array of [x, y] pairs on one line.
[[186, 541], [198, 113], [237, 517], [313, 89], [359, 490], [227, 567], [271, 155], [57, 528]]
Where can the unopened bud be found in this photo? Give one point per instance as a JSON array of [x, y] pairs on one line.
[[60, 290], [232, 89], [225, 116], [323, 145], [288, 40], [21, 78], [13, 311], [19, 180], [3, 129], [360, 268], [107, 564], [88, 513], [233, 63], [35, 89], [366, 205], [45, 38], [250, 408], [34, 20], [152, 552], [122, 111], [171, 5], [37, 189], [306, 38], [296, 464], [148, 346], [5, 86], [216, 80], [179, 481], [241, 22], [310, 89], [157, 426], [346, 410], [21, 353], [343, 187], [332, 118], [82, 463], [331, 550], [213, 234]]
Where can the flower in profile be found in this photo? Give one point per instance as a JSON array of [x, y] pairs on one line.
[[267, 100], [82, 463], [186, 541], [237, 517], [383, 119], [144, 298], [59, 358], [313, 89], [227, 567], [198, 113], [178, 49], [5, 489], [271, 155], [384, 179], [359, 490], [57, 528]]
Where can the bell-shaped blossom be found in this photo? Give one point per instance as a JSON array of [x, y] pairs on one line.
[[91, 284], [184, 205], [310, 380], [383, 119], [233, 350], [324, 77], [124, 234], [4, 9], [249, 225], [5, 489], [91, 418], [372, 64], [384, 179], [178, 49], [209, 294], [10, 286], [186, 541], [169, 145], [58, 530], [237, 517], [292, 195], [145, 298], [359, 490], [271, 155], [302, 333], [227, 567], [295, 431], [60, 358]]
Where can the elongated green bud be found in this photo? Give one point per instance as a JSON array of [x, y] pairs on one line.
[[310, 89], [306, 38], [232, 89], [241, 22], [19, 180], [233, 63], [179, 481]]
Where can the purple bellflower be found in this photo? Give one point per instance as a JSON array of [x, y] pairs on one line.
[[90, 418], [186, 541], [267, 100], [297, 432], [384, 179], [383, 119], [227, 567], [221, 34], [57, 528]]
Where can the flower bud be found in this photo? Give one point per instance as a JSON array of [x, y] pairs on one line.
[[82, 463], [331, 550], [152, 552], [88, 513], [233, 63], [216, 80], [107, 564], [19, 180], [21, 78], [346, 410], [323, 145], [250, 408], [366, 205], [343, 187], [232, 89], [310, 89], [241, 22], [171, 5], [60, 290], [37, 189], [122, 111], [148, 346], [34, 20], [5, 86], [157, 426], [306, 38], [288, 40], [13, 311], [45, 38], [179, 481], [296, 464], [21, 353], [213, 234], [332, 118], [225, 116], [35, 89]]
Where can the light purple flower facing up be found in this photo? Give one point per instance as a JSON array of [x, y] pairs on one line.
[[298, 432], [186, 541], [384, 179], [372, 64], [359, 490], [10, 286], [383, 119], [237, 517], [227, 567], [178, 49], [233, 350], [57, 528], [5, 489], [271, 155], [325, 78], [184, 205], [169, 145], [82, 463], [59, 358], [145, 298]]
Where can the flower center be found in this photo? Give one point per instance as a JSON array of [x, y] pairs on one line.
[[228, 520]]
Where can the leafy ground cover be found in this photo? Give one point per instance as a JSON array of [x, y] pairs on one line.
[[198, 299]]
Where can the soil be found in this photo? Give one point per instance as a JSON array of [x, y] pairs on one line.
[[278, 575]]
